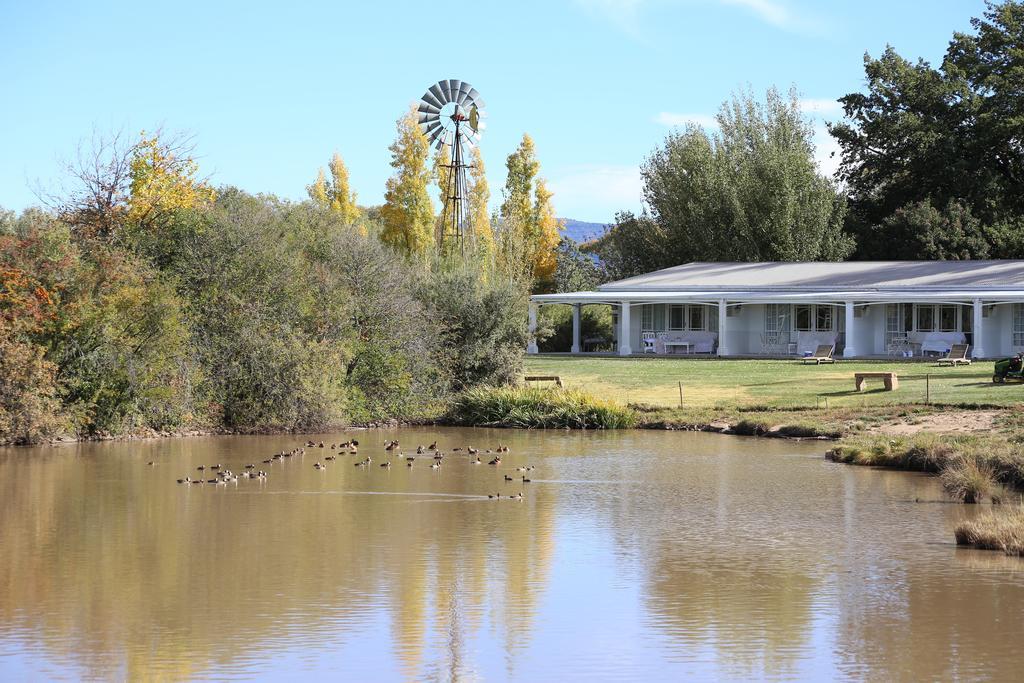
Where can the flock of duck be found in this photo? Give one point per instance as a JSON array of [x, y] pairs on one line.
[[392, 449]]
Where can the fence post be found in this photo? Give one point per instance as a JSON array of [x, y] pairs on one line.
[[927, 388], [680, 394]]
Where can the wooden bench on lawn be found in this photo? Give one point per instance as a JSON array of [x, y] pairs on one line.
[[892, 383], [544, 378]]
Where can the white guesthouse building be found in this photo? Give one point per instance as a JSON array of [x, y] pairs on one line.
[[866, 309]]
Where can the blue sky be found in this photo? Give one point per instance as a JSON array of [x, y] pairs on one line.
[[270, 90]]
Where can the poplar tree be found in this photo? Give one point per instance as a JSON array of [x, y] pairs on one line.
[[335, 193], [407, 214], [479, 197], [529, 228]]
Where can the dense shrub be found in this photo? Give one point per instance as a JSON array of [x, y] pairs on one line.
[[247, 313], [479, 317]]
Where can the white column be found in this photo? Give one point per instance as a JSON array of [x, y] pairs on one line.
[[723, 344], [978, 351], [624, 330], [848, 348], [575, 328], [531, 341]]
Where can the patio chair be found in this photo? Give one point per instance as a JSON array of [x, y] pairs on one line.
[[957, 356], [648, 340], [900, 347], [822, 354]]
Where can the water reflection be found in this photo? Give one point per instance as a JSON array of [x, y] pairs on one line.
[[632, 555]]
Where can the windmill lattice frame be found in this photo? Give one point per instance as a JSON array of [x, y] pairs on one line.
[[450, 113]]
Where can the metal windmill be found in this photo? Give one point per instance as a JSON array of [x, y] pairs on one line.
[[450, 113]]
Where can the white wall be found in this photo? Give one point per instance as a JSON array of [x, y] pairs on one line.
[[869, 330], [997, 331]]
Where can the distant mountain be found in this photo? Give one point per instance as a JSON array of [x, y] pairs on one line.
[[581, 231]]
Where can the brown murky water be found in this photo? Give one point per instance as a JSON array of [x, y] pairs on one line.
[[632, 555]]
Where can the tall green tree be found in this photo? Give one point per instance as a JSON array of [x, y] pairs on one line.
[[407, 215], [632, 245], [942, 144], [749, 192]]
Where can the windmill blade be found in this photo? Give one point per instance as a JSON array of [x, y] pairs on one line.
[[426, 108], [428, 98], [432, 128], [435, 90], [454, 85], [473, 96], [445, 91], [464, 89], [426, 119]]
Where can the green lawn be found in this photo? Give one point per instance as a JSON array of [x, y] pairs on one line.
[[711, 383]]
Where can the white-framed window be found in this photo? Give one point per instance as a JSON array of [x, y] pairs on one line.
[[695, 317], [687, 317], [647, 318], [823, 319], [948, 319], [774, 318], [803, 319], [1018, 324], [813, 318], [676, 316], [925, 319]]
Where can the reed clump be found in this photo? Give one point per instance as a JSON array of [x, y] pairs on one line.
[[969, 480], [996, 529], [531, 407], [971, 466]]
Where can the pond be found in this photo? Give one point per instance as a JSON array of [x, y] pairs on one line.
[[633, 555]]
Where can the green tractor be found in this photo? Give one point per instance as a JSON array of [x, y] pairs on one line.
[[1009, 369]]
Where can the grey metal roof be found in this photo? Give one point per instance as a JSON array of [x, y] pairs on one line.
[[736, 296], [819, 276]]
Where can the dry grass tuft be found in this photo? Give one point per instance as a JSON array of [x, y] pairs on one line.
[[969, 480], [994, 530]]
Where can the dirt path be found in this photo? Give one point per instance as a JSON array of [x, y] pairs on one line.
[[954, 421]]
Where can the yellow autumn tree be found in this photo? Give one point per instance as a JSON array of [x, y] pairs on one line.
[[164, 179], [479, 197], [547, 229], [335, 193], [529, 230], [319, 192], [442, 175], [407, 216]]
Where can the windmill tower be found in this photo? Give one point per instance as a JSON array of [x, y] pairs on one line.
[[450, 113]]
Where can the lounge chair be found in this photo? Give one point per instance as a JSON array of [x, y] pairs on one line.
[[822, 354], [957, 355]]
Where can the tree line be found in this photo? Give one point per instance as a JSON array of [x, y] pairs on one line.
[[140, 297]]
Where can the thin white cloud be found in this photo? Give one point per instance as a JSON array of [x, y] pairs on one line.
[[595, 191], [822, 106], [625, 14], [671, 119], [770, 12]]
